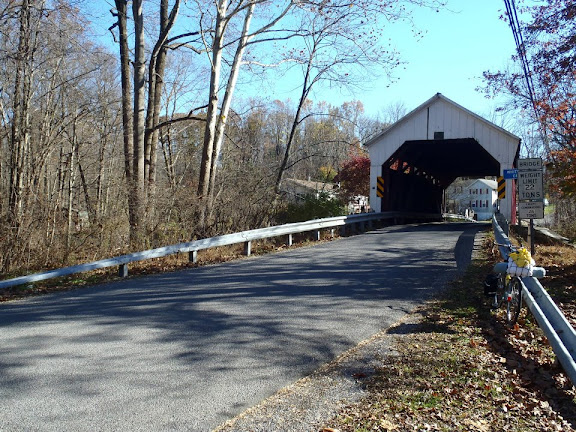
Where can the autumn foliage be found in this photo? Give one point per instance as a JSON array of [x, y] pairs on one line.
[[549, 37], [354, 177]]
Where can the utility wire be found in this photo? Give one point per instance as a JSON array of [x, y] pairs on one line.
[[521, 49]]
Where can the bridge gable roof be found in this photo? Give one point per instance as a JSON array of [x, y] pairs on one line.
[[461, 122]]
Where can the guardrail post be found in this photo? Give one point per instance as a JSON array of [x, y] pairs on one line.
[[123, 270], [247, 248], [290, 240], [193, 256], [317, 235]]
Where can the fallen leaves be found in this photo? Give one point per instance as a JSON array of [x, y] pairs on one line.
[[464, 369]]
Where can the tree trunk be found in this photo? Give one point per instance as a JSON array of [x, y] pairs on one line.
[[19, 140], [137, 230], [156, 70], [212, 111], [231, 85], [19, 128], [127, 116], [71, 186]]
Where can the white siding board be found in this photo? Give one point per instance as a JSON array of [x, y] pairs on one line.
[[462, 123], [450, 119], [466, 123], [417, 128]]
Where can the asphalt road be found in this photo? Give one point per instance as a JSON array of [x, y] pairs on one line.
[[186, 351]]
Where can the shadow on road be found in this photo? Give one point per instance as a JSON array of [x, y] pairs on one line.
[[282, 314]]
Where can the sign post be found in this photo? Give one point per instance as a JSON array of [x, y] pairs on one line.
[[530, 193]]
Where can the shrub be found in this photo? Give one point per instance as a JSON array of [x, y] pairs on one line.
[[312, 207]]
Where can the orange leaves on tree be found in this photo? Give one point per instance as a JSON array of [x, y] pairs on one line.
[[550, 47], [354, 177], [562, 171]]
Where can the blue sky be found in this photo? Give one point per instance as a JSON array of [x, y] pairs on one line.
[[460, 43]]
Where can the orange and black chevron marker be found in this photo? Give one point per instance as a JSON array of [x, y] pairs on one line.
[[501, 188], [380, 187]]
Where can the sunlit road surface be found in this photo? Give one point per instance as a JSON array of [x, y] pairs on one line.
[[186, 351]]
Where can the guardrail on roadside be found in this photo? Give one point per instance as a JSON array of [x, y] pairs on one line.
[[551, 320], [458, 217], [357, 221]]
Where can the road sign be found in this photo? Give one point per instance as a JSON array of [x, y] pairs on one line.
[[531, 210], [531, 164], [530, 186], [501, 188], [380, 187], [510, 174]]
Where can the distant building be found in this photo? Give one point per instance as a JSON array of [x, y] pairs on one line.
[[359, 204], [477, 198], [297, 189]]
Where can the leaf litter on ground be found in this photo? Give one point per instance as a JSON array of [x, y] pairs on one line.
[[464, 369]]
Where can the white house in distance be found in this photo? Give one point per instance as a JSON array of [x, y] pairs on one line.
[[479, 195], [296, 189]]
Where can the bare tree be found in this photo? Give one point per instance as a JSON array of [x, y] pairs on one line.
[[330, 53], [141, 108], [343, 43], [44, 107], [217, 113], [29, 17]]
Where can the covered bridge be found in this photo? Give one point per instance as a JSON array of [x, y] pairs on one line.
[[418, 157]]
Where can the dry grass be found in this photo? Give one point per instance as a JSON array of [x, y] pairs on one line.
[[560, 264]]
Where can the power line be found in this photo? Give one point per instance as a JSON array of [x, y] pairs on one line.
[[521, 49]]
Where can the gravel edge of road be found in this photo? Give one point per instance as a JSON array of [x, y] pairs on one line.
[[310, 402]]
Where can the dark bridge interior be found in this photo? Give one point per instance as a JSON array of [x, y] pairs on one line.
[[416, 175]]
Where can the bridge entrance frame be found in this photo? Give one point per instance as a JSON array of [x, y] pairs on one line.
[[420, 155]]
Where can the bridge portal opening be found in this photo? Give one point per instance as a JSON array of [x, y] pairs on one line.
[[417, 174]]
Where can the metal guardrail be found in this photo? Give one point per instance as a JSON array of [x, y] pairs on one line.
[[551, 320], [458, 216], [358, 221]]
